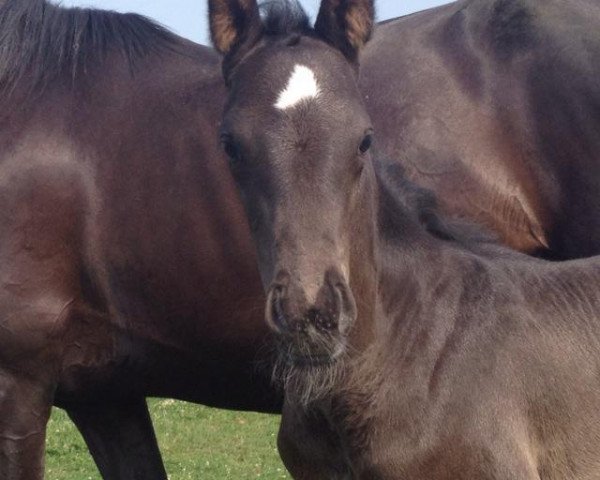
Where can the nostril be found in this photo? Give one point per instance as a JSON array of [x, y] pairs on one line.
[[345, 306], [338, 292], [276, 307]]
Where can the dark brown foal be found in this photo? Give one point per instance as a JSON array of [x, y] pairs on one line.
[[408, 350]]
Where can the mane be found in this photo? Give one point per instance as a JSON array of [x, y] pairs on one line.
[[284, 17], [41, 43], [402, 199]]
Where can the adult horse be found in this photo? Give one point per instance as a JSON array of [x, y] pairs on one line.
[[495, 105], [404, 355], [125, 265]]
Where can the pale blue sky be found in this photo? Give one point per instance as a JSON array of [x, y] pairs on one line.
[[188, 17]]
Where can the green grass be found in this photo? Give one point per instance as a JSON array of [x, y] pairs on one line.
[[196, 443]]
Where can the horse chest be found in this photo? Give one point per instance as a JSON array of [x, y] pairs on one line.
[[388, 438]]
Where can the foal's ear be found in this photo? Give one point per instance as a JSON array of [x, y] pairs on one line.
[[346, 24], [232, 23]]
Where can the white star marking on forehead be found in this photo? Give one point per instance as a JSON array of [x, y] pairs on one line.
[[302, 85]]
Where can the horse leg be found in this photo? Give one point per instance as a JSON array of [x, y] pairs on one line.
[[24, 410], [309, 449], [121, 439]]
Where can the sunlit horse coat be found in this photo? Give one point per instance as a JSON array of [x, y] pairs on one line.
[[407, 352]]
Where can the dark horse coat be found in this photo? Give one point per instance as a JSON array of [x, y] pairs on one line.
[[408, 352], [477, 363], [495, 105]]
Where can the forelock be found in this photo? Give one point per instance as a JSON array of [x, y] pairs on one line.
[[284, 17]]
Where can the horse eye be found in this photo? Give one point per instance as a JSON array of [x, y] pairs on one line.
[[230, 147], [366, 144]]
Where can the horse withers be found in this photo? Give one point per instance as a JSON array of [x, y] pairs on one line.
[[405, 353]]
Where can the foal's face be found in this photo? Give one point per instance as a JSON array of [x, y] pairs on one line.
[[298, 138]]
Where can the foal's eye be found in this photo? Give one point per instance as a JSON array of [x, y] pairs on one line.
[[365, 145], [230, 147]]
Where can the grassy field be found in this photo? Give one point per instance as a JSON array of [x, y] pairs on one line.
[[196, 443]]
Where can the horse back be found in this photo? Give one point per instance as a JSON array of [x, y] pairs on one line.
[[492, 365], [494, 105]]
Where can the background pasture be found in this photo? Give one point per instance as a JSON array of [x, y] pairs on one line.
[[195, 441]]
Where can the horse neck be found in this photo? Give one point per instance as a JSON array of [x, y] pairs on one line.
[[408, 274], [364, 284], [404, 266], [388, 247], [393, 267]]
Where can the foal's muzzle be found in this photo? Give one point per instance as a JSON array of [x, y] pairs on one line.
[[312, 330]]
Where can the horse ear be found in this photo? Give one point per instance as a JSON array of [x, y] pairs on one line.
[[346, 24], [232, 23]]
